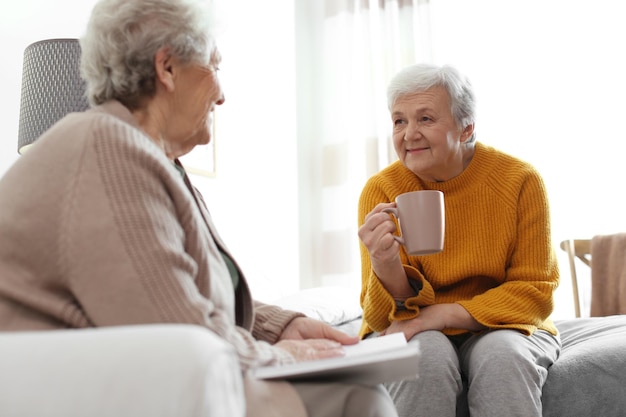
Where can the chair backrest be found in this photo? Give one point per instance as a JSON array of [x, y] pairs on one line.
[[581, 249], [608, 275]]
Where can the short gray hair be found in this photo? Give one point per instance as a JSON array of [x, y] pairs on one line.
[[421, 77], [123, 36]]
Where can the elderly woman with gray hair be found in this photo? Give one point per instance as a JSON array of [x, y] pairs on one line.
[[116, 233], [480, 308]]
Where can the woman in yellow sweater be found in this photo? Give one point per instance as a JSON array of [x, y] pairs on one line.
[[480, 308]]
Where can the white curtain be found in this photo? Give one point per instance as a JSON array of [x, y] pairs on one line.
[[347, 52]]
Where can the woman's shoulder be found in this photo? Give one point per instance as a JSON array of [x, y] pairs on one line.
[[385, 185], [113, 127], [101, 139], [508, 174], [97, 123], [504, 163], [394, 177], [113, 119]]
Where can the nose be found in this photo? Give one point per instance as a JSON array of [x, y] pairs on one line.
[[412, 131], [220, 92]]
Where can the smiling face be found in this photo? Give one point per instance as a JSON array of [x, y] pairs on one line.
[[198, 91], [426, 138]]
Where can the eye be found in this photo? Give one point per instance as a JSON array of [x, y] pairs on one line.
[[397, 122]]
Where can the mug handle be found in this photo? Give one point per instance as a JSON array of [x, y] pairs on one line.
[[394, 212]]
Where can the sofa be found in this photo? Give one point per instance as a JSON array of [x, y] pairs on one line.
[[589, 378], [184, 370], [148, 370]]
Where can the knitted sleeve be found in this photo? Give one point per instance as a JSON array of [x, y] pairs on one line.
[[379, 308], [270, 321]]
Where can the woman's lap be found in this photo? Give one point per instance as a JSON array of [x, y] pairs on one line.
[[490, 373]]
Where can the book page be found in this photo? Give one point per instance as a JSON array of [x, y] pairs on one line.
[[375, 360], [375, 344]]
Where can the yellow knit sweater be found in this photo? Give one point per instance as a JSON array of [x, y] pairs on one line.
[[498, 261]]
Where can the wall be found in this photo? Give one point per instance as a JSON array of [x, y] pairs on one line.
[[254, 197], [549, 79]]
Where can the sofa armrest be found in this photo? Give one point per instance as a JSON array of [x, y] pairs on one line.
[[150, 370]]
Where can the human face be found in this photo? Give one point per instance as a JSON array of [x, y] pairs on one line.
[[198, 91], [426, 137]]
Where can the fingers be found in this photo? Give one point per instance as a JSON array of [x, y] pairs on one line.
[[376, 217], [307, 328], [409, 327], [324, 348], [329, 353], [379, 209], [311, 349], [339, 336], [377, 232]]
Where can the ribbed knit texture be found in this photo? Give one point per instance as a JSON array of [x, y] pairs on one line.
[[498, 261], [98, 228]]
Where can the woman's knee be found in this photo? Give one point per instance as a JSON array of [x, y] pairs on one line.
[[345, 399], [508, 367], [439, 376], [439, 357], [369, 401], [499, 350]]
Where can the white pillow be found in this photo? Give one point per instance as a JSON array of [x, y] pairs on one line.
[[333, 305]]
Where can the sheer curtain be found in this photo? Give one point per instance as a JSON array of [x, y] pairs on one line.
[[347, 51]]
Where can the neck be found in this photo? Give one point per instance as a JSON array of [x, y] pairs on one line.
[[466, 155], [148, 118], [468, 150]]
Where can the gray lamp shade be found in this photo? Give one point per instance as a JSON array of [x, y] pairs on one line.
[[51, 87]]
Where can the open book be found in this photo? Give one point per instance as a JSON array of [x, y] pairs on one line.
[[371, 361]]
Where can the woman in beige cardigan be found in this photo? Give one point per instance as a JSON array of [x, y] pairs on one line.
[[116, 233]]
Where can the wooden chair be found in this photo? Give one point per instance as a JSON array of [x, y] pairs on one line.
[[581, 249]]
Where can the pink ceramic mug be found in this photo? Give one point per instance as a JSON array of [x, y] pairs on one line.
[[421, 215]]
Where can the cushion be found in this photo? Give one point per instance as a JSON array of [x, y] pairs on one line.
[[333, 304], [589, 377]]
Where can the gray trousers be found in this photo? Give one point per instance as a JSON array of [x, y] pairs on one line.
[[345, 400], [494, 373]]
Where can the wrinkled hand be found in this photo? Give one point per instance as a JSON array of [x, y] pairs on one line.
[[378, 235], [435, 317], [377, 232], [427, 320], [308, 339], [310, 349], [302, 328]]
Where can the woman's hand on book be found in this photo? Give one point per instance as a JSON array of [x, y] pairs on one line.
[[311, 349], [308, 339]]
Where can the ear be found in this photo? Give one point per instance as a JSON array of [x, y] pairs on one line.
[[467, 132], [164, 66]]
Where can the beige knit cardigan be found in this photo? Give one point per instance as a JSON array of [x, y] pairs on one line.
[[98, 228]]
